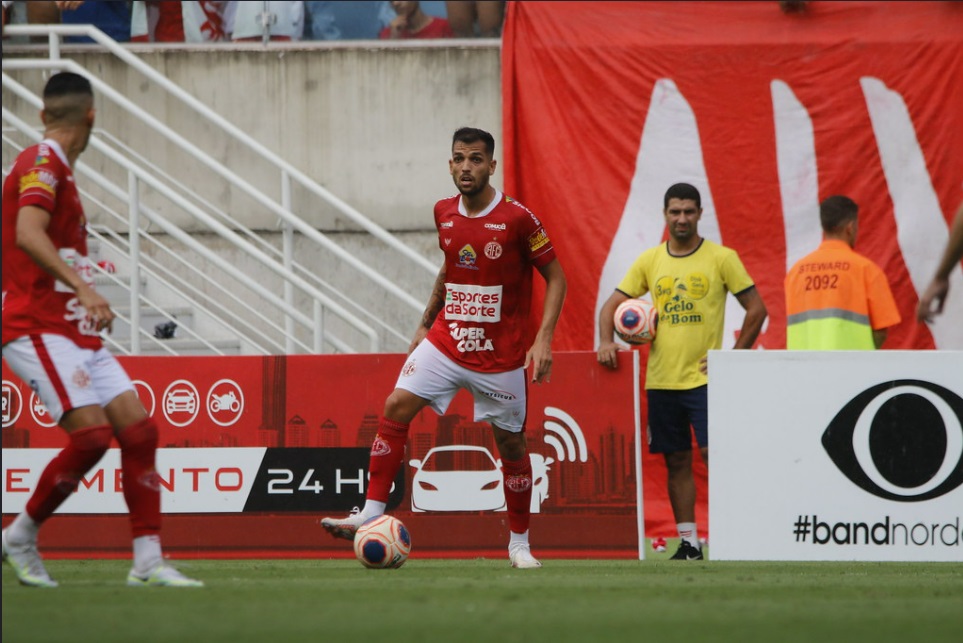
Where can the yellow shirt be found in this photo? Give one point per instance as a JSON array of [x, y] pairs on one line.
[[690, 293]]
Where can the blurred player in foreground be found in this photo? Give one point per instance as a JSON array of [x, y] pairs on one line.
[[52, 320], [931, 303], [689, 278], [475, 335]]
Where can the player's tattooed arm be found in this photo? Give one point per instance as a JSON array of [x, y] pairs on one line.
[[435, 301]]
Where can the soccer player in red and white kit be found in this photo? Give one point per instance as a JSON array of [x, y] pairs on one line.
[[478, 330], [52, 319]]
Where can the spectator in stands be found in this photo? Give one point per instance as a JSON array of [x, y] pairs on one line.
[[47, 13], [113, 18], [247, 22], [793, 6], [413, 23], [169, 21], [476, 18], [3, 13], [333, 20]]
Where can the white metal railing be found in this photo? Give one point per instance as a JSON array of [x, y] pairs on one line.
[[280, 254], [135, 174], [287, 174]]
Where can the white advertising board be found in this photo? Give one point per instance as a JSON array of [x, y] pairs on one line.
[[192, 480], [836, 455]]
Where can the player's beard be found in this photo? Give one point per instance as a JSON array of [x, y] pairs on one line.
[[683, 234], [86, 140], [475, 189]]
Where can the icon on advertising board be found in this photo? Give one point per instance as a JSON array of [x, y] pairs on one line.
[[225, 402], [181, 403], [900, 440], [12, 403], [463, 477], [39, 412], [146, 395], [565, 435]]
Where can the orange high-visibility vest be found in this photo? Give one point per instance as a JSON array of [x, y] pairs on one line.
[[835, 299]]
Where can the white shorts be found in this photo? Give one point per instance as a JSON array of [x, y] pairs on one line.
[[65, 376], [500, 398]]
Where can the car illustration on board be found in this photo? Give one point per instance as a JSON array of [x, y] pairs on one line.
[[464, 477]]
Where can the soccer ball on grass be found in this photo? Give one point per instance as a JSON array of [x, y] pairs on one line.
[[382, 542], [636, 321]]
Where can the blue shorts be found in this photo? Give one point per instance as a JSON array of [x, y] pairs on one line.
[[671, 413]]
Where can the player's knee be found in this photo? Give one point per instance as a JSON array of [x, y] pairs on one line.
[[401, 406], [511, 446], [95, 438], [89, 445], [140, 434]]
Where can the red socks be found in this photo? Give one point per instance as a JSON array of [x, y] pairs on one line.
[[387, 452], [517, 475], [138, 446], [62, 475]]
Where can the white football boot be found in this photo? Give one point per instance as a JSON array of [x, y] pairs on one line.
[[162, 575], [26, 562], [521, 556], [344, 527]]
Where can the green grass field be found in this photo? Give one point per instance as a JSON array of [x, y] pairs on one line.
[[655, 600]]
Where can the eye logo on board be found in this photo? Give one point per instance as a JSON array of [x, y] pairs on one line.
[[900, 440]]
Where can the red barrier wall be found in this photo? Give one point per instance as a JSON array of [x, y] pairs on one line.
[[285, 430]]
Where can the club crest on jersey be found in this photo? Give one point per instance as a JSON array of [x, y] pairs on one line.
[[493, 250], [380, 447], [467, 257]]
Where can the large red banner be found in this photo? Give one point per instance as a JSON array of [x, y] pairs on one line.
[[606, 104], [254, 450]]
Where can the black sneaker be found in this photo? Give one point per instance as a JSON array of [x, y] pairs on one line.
[[687, 552]]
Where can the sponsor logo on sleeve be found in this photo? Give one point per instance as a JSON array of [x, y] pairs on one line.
[[538, 240], [41, 180]]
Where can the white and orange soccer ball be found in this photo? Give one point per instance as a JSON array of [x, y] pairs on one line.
[[382, 542], [636, 321]]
